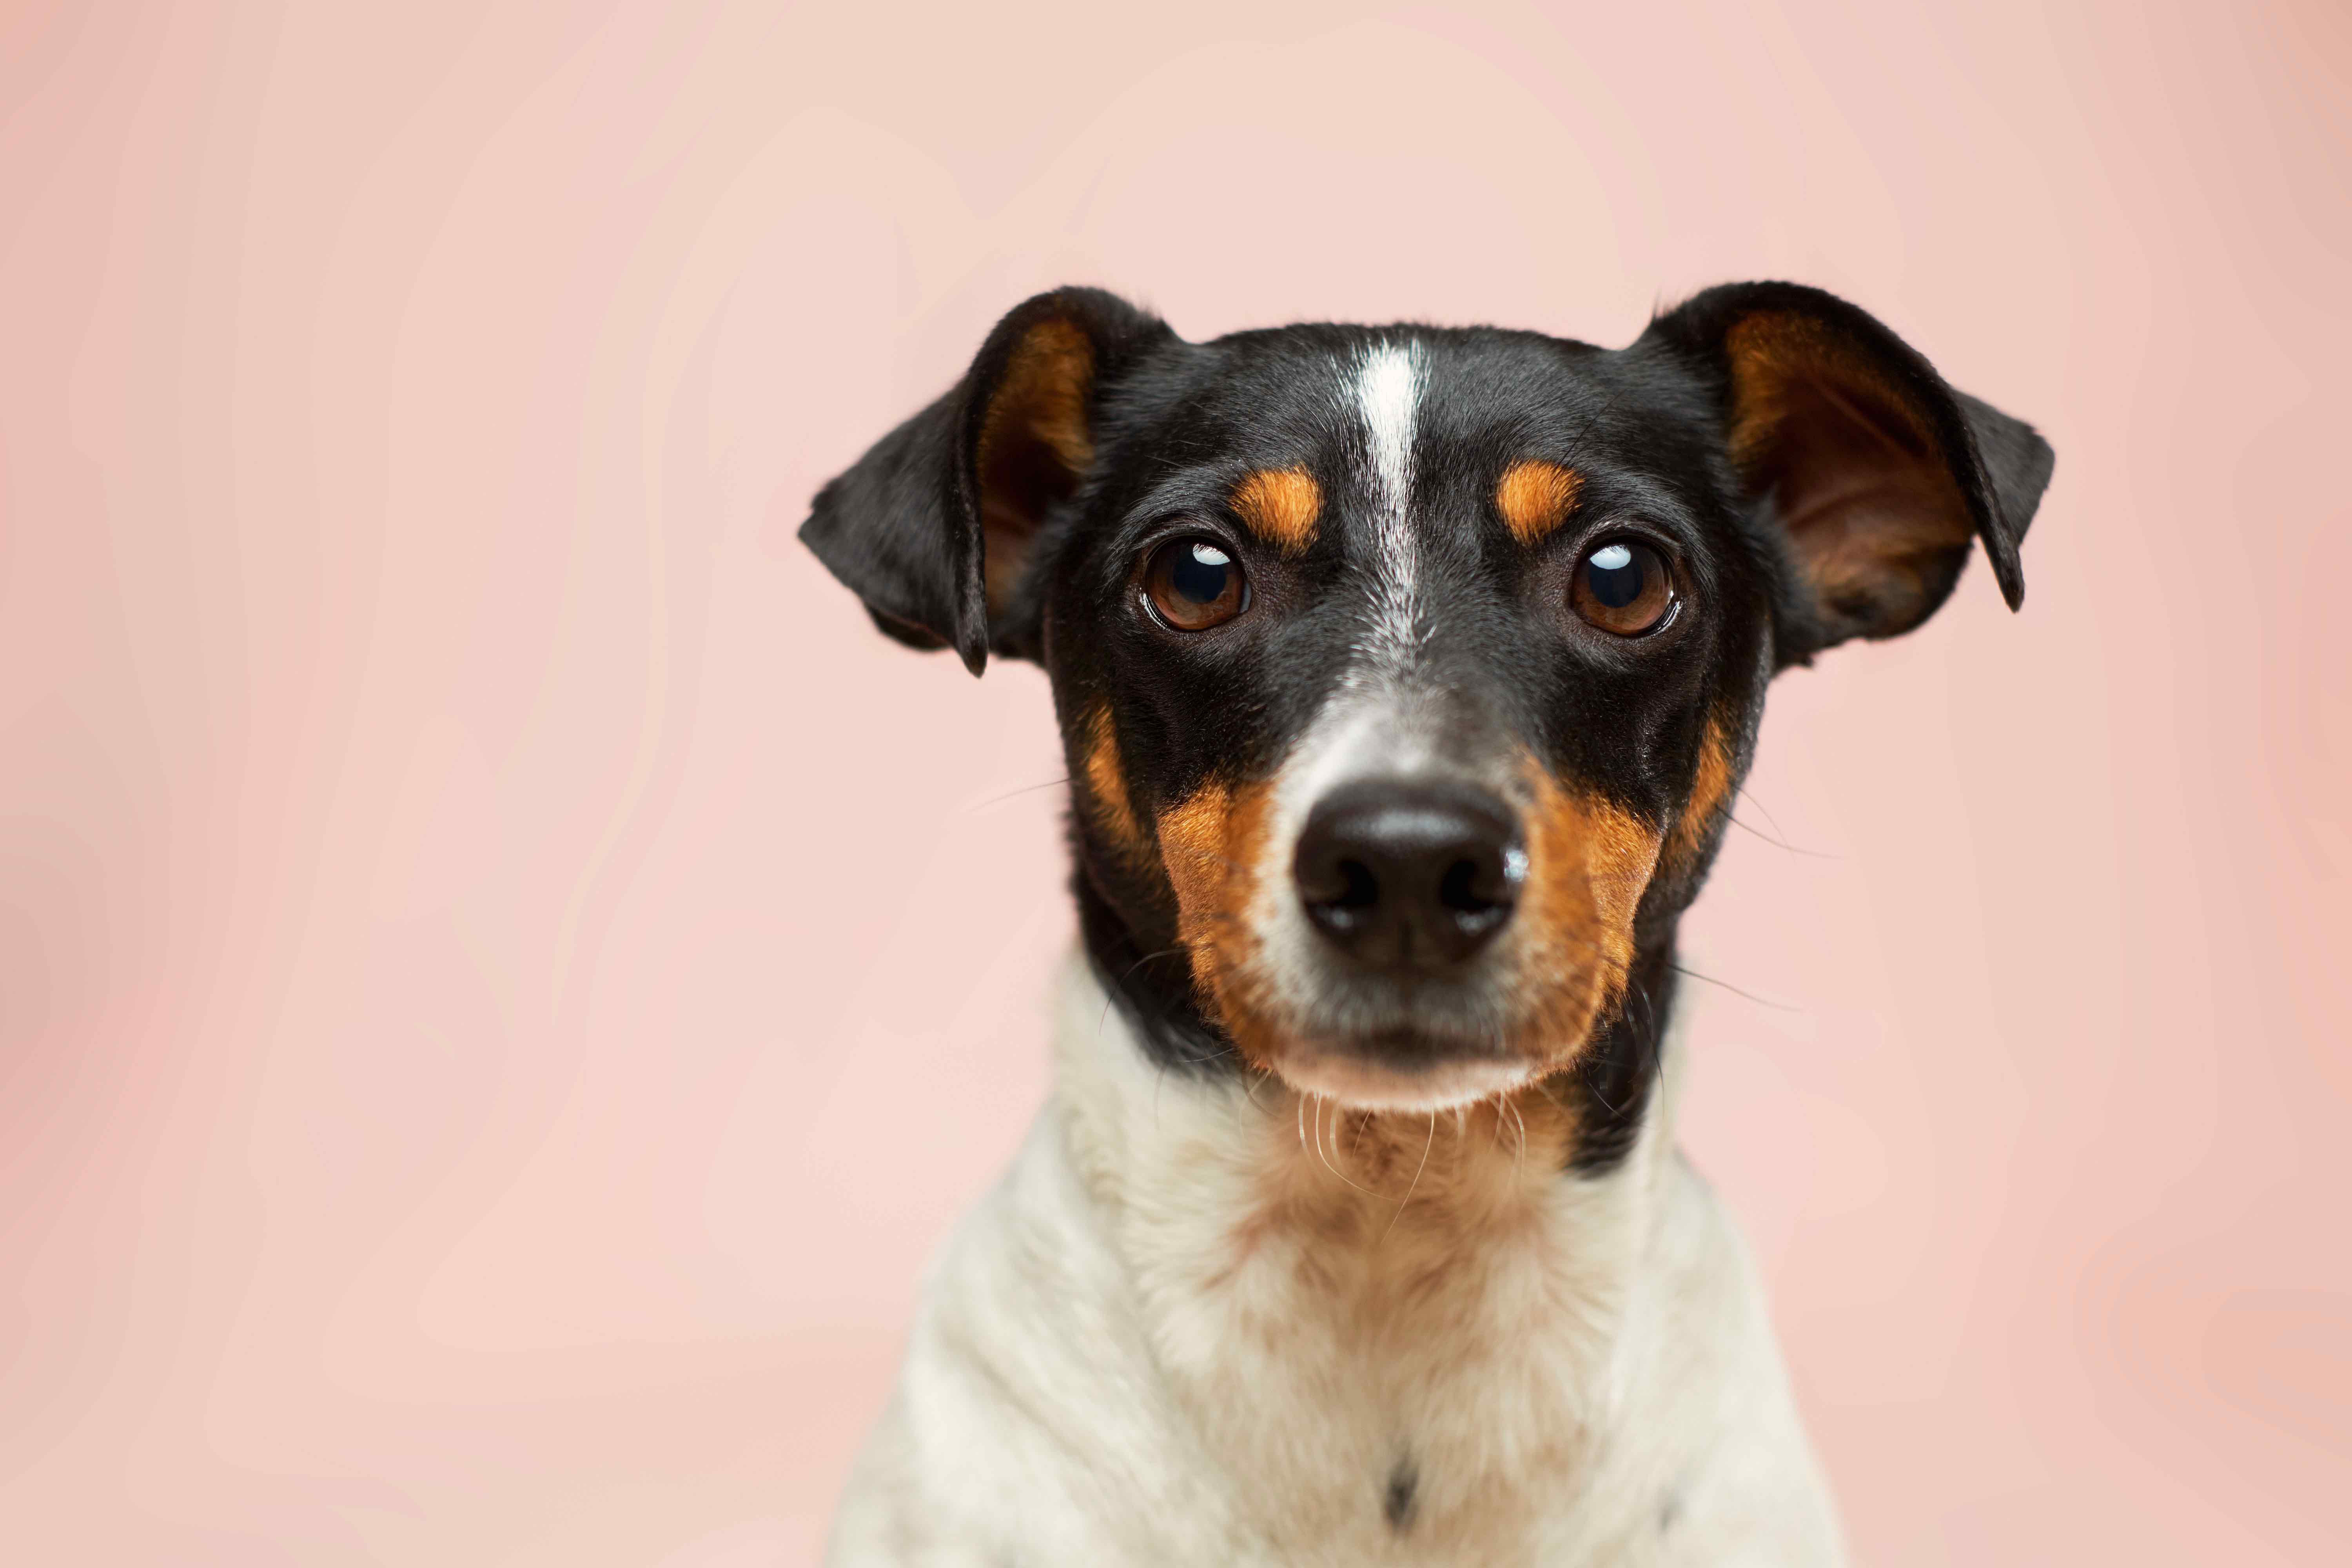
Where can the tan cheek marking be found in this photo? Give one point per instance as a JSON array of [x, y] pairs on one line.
[[1588, 864], [1106, 780], [1710, 794], [1192, 842], [1536, 497], [1281, 505], [1210, 843]]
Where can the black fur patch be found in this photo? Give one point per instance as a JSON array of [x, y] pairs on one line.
[[1403, 1496]]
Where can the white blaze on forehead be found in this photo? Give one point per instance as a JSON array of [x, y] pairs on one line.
[[1369, 724], [1372, 721], [1388, 394], [1387, 386]]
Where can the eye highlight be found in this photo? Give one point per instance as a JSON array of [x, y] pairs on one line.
[[1623, 587], [1194, 583]]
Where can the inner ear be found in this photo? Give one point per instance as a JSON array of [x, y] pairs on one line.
[[1863, 488], [1034, 447]]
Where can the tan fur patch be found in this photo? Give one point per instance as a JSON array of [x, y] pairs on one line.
[[1773, 352], [1106, 785], [1710, 794], [1588, 863], [1536, 497], [1871, 495], [1210, 843], [1034, 443], [1281, 505]]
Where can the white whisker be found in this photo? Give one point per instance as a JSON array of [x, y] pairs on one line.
[[1417, 1170]]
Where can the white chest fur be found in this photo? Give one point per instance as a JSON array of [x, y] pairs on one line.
[[1195, 1325]]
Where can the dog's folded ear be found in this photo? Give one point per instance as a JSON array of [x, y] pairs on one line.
[[1873, 472], [933, 526]]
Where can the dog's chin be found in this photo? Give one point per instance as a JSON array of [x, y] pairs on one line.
[[1361, 1082]]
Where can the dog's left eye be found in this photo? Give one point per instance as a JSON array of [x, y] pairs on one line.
[[1195, 584], [1623, 587]]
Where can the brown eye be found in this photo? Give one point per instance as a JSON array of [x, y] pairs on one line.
[[1623, 587], [1195, 584]]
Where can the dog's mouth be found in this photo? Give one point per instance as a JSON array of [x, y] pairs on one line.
[[1383, 1082], [1374, 1046], [1408, 1060]]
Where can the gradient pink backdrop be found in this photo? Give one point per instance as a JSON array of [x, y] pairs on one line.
[[504, 977]]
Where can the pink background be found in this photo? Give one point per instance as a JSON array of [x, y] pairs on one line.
[[504, 977]]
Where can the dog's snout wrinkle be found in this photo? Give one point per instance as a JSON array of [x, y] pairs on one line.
[[1409, 877]]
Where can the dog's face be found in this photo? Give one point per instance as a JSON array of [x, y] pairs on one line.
[[1406, 675]]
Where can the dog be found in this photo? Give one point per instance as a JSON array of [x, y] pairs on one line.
[[1406, 676]]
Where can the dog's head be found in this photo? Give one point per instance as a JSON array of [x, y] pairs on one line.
[[1406, 675]]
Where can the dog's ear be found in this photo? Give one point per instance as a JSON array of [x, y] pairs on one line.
[[933, 526], [1875, 474]]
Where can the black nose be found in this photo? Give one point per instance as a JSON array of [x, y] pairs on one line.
[[1410, 876]]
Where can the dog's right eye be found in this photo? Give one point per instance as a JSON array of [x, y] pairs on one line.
[[1195, 584]]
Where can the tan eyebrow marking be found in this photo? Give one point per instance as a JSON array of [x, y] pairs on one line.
[[1281, 505], [1536, 497]]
